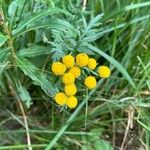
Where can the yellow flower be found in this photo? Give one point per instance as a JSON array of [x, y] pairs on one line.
[[68, 60], [82, 59], [72, 102], [75, 71], [104, 71], [90, 82], [92, 64], [68, 78], [58, 68], [60, 98], [70, 89]]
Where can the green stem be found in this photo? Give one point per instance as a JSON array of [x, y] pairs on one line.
[[86, 108], [22, 146], [75, 113], [10, 39]]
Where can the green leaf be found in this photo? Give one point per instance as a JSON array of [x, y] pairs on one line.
[[33, 51], [147, 127], [15, 12], [23, 93], [25, 96], [4, 54], [38, 16], [72, 117], [114, 62], [3, 39], [15, 5], [94, 21], [102, 145], [54, 23], [134, 6], [39, 78], [51, 23], [93, 37]]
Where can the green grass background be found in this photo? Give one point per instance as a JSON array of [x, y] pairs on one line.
[[34, 33]]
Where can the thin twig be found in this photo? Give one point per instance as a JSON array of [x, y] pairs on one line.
[[84, 4], [129, 125], [23, 113], [26, 125], [114, 127]]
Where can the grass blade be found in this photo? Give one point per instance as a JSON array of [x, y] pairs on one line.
[[75, 113], [115, 63], [138, 5], [3, 39]]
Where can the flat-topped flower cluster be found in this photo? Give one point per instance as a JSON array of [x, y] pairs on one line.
[[69, 70]]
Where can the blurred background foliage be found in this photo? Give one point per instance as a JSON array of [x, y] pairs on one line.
[[34, 33]]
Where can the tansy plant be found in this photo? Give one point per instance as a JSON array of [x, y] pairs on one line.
[[69, 70]]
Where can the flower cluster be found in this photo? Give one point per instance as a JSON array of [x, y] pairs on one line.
[[69, 70]]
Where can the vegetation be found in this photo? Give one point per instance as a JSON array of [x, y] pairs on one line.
[[36, 33]]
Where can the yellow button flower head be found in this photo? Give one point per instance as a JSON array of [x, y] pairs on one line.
[[68, 78], [68, 60], [58, 68], [70, 89], [82, 59], [60, 98], [92, 64], [104, 71], [72, 102], [90, 82], [75, 71]]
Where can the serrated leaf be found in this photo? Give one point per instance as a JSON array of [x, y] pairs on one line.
[[33, 51], [3, 39], [52, 23], [108, 29], [94, 21], [38, 78], [38, 16]]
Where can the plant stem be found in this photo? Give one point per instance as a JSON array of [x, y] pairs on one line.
[[86, 108], [84, 4], [22, 111], [9, 34], [70, 119]]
